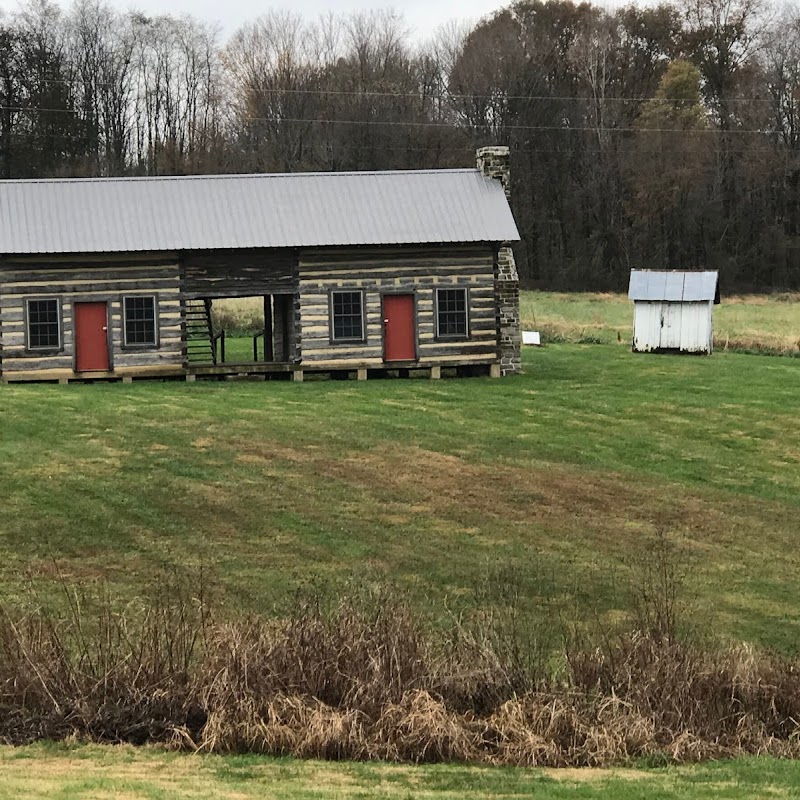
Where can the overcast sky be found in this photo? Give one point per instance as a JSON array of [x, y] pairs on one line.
[[424, 16]]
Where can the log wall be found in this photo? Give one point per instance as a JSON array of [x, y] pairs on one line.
[[399, 270], [305, 281], [239, 273], [90, 279]]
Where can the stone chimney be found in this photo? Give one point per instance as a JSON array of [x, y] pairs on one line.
[[494, 162]]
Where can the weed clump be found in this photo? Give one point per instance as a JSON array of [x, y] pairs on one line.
[[363, 675]]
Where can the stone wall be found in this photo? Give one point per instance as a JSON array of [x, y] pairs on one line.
[[494, 162], [507, 297]]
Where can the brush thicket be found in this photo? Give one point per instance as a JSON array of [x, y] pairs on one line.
[[366, 677]]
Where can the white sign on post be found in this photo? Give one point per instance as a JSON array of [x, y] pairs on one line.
[[531, 337]]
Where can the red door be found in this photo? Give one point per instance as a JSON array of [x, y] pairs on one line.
[[400, 341], [91, 337]]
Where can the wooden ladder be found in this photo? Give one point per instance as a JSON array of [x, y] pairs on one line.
[[199, 332]]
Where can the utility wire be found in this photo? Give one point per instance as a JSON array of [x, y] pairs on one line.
[[466, 149], [442, 125], [558, 128], [501, 96], [447, 95]]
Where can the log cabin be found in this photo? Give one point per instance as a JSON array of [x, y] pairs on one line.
[[360, 274]]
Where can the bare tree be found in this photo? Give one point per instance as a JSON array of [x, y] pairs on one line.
[[274, 83], [102, 44]]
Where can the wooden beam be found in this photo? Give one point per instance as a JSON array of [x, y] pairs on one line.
[[269, 338]]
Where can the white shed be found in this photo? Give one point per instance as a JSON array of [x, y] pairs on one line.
[[673, 311]]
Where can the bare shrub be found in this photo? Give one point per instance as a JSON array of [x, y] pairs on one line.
[[657, 587], [361, 652], [110, 675], [364, 676]]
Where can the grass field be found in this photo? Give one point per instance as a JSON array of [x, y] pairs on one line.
[[751, 322], [559, 478], [45, 772], [563, 475]]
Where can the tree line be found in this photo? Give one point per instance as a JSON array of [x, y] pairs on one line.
[[657, 137]]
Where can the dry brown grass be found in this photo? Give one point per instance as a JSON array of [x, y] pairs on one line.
[[766, 323], [238, 315], [762, 299], [364, 678]]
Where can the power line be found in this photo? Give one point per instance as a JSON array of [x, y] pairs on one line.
[[451, 95], [501, 96], [431, 149], [39, 109], [443, 125], [556, 128]]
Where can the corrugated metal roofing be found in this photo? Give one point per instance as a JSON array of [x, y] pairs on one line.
[[240, 211], [672, 286]]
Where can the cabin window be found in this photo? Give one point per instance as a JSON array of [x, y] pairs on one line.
[[44, 324], [347, 316], [140, 321], [451, 314]]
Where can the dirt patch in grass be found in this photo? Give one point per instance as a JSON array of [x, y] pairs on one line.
[[108, 777], [266, 451], [595, 775], [398, 484], [549, 494]]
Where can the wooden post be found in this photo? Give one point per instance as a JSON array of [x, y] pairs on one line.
[[63, 381], [436, 373], [362, 374], [191, 378], [494, 371], [269, 354], [127, 379], [297, 376]]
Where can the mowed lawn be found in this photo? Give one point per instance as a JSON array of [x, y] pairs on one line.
[[745, 322], [563, 474], [47, 772]]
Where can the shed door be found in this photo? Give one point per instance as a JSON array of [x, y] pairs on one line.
[[91, 337], [400, 338], [670, 326]]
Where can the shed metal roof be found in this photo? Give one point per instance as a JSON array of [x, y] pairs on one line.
[[95, 215], [672, 286]]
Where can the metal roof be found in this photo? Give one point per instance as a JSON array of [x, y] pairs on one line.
[[673, 286], [93, 215]]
